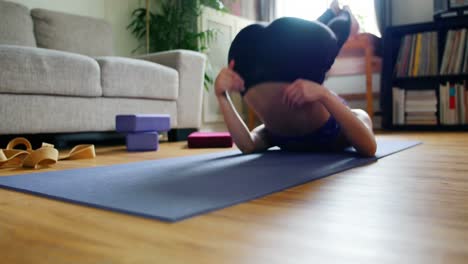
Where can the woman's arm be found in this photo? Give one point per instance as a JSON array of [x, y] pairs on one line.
[[355, 126], [247, 142]]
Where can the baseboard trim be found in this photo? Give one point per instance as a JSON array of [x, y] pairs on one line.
[[69, 140], [180, 134]]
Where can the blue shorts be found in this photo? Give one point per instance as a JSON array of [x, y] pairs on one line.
[[324, 138]]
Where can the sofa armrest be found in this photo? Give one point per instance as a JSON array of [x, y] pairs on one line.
[[191, 68]]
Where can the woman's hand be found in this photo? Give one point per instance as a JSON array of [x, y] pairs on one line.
[[301, 92], [228, 80]]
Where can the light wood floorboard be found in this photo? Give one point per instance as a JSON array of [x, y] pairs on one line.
[[411, 207]]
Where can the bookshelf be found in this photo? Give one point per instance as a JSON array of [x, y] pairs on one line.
[[399, 72]]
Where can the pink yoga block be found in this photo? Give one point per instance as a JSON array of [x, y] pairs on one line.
[[210, 140]]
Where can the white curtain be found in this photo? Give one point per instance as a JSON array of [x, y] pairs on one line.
[[305, 9], [383, 13], [266, 10]]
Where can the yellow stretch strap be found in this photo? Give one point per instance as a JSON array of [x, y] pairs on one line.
[[46, 155], [43, 156], [19, 141], [12, 157], [80, 152]]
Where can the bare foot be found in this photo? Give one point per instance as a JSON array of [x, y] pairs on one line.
[[335, 7], [354, 23]]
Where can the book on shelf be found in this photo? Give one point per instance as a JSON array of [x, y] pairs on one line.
[[446, 52], [401, 63], [460, 51], [398, 96], [465, 58], [417, 55], [408, 71], [454, 56], [422, 122], [421, 118], [425, 74], [423, 108], [453, 104], [414, 107]]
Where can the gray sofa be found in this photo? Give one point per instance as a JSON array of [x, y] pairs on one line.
[[58, 75]]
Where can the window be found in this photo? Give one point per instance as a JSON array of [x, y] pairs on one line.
[[305, 9], [312, 9]]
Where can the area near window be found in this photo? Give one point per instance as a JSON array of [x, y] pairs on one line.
[[311, 10]]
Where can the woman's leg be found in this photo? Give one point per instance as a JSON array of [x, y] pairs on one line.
[[354, 22], [340, 21], [332, 11], [327, 16], [341, 26]]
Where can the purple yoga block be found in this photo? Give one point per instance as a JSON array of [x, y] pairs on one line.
[[142, 141], [142, 123]]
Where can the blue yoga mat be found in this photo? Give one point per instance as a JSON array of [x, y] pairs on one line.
[[177, 188]]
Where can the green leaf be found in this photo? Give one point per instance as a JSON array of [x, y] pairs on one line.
[[173, 26]]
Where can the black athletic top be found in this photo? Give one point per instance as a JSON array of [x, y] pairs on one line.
[[289, 48]]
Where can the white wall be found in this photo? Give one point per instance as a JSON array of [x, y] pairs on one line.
[[116, 12], [94, 8], [411, 11]]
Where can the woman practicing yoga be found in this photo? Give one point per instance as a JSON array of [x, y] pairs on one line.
[[279, 70]]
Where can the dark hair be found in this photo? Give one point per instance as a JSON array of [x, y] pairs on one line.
[[285, 50]]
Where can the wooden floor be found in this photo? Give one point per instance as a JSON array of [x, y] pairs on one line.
[[410, 207]]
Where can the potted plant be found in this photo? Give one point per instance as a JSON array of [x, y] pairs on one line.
[[174, 27]]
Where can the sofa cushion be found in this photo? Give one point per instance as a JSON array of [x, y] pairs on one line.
[[16, 26], [77, 114], [124, 77], [27, 70], [73, 33]]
